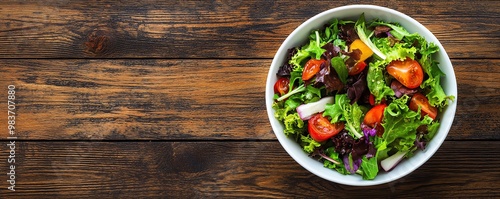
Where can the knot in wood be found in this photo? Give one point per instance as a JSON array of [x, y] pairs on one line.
[[98, 42]]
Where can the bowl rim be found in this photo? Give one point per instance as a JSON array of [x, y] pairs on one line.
[[440, 135]]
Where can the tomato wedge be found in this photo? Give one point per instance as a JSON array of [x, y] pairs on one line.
[[282, 86], [311, 68], [321, 129], [374, 115], [371, 99], [357, 68], [419, 100], [407, 72]]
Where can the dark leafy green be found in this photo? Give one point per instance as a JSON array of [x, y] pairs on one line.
[[341, 69]]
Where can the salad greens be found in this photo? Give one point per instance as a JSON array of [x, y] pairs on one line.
[[342, 110], [378, 111]]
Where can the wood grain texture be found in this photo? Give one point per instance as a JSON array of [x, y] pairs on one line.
[[230, 169], [213, 29], [130, 99], [138, 99]]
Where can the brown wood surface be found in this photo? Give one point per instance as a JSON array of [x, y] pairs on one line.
[[232, 169], [158, 99], [137, 99], [214, 29]]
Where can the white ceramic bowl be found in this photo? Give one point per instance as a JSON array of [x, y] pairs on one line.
[[352, 12]]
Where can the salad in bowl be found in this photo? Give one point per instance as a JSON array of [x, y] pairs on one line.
[[360, 94]]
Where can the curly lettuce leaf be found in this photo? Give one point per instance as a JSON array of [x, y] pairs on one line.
[[287, 114], [330, 152], [376, 81], [401, 123], [298, 59], [306, 52], [353, 116], [397, 51], [436, 94], [309, 144], [432, 129], [343, 111]]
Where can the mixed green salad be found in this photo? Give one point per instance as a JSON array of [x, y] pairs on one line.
[[360, 96]]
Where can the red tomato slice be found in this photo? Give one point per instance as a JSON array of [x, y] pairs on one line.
[[426, 109], [321, 129], [375, 115], [311, 68], [357, 68], [282, 86], [407, 72], [371, 99]]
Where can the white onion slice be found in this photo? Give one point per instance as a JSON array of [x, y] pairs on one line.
[[391, 162], [305, 111]]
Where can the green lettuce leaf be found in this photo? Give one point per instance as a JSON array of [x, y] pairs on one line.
[[295, 79], [308, 144], [298, 59], [382, 150], [353, 116], [432, 129], [314, 49], [341, 69], [343, 110], [306, 52], [401, 123], [397, 31], [398, 51], [360, 27], [287, 114], [335, 111], [369, 168], [293, 124], [330, 152], [376, 81]]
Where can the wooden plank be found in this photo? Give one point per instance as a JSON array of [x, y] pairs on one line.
[[213, 29], [125, 99], [138, 99], [229, 169], [478, 99]]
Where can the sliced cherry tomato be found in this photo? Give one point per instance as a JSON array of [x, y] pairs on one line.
[[321, 129], [425, 108], [407, 72], [371, 99], [311, 68], [375, 115], [357, 68], [282, 86], [366, 52]]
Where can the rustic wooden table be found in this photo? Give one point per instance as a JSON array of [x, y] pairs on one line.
[[166, 98]]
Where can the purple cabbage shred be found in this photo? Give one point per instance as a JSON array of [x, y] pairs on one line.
[[400, 90]]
